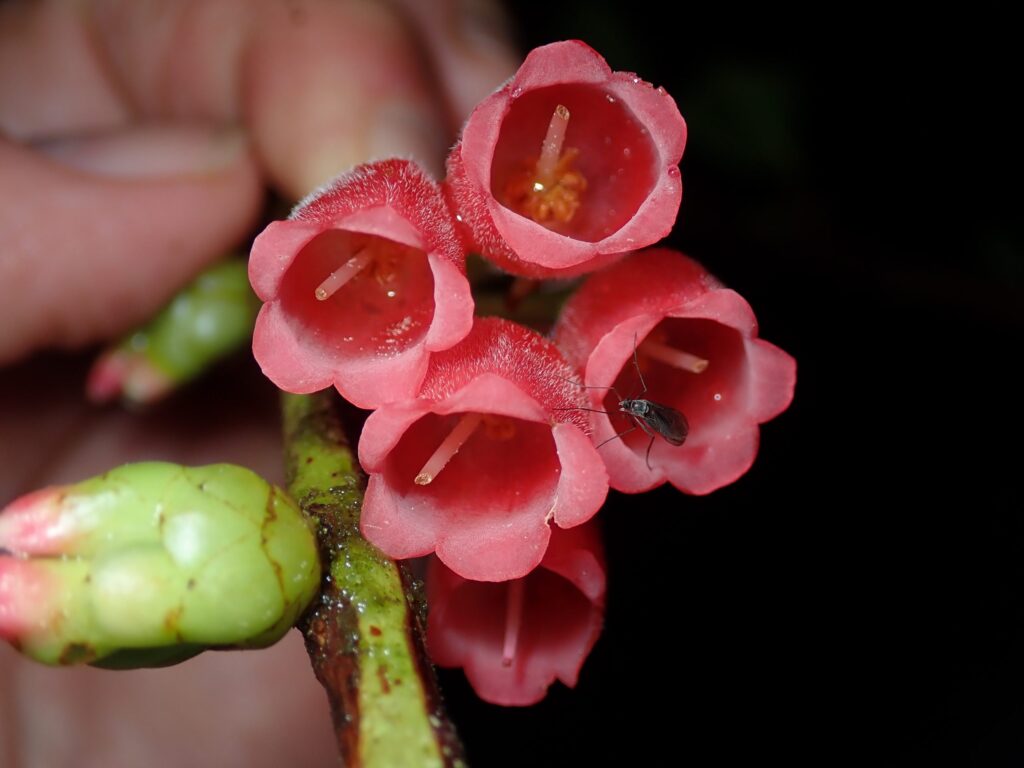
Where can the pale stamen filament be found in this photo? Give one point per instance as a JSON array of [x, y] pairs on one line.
[[448, 448], [551, 149], [513, 620], [343, 274], [677, 358]]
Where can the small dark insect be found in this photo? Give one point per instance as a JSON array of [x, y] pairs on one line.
[[653, 418]]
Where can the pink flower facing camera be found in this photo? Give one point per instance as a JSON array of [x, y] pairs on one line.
[[568, 165], [696, 345], [360, 284], [490, 454]]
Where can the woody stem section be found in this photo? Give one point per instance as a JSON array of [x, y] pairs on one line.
[[364, 633]]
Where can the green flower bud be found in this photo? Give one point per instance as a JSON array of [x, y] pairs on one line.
[[208, 319], [151, 563]]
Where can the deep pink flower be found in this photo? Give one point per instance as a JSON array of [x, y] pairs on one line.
[[699, 353], [385, 231], [606, 182], [515, 638], [522, 463]]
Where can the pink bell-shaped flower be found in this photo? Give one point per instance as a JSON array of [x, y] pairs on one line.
[[360, 284], [568, 165], [515, 638], [698, 353], [492, 451]]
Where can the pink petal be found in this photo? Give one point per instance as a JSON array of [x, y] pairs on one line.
[[281, 355], [453, 305], [383, 429], [368, 382], [583, 485], [707, 466], [273, 251], [577, 554], [400, 531], [494, 549], [776, 372]]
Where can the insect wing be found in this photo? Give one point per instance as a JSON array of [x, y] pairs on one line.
[[667, 422]]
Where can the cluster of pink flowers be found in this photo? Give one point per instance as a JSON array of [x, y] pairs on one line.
[[491, 446]]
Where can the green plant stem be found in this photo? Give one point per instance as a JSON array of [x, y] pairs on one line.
[[364, 633]]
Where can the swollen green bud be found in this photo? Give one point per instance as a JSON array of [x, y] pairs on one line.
[[208, 319], [151, 563]]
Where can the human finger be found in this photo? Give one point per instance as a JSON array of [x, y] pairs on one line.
[[100, 232]]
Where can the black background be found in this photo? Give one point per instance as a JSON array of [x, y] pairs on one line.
[[857, 597]]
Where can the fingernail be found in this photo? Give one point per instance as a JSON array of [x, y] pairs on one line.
[[401, 129], [154, 151]]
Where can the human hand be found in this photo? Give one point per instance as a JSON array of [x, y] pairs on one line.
[[139, 139]]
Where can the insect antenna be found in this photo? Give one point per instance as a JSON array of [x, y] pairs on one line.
[[590, 386], [636, 364], [581, 408]]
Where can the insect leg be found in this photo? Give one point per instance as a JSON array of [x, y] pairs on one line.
[[631, 429], [647, 458], [643, 425]]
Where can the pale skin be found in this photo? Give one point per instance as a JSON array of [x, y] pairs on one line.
[[138, 139]]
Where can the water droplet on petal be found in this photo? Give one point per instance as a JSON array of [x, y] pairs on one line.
[[718, 396], [673, 170], [516, 93], [611, 99]]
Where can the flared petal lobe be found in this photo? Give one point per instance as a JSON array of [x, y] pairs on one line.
[[515, 638], [567, 166], [698, 353], [360, 284], [492, 452]]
